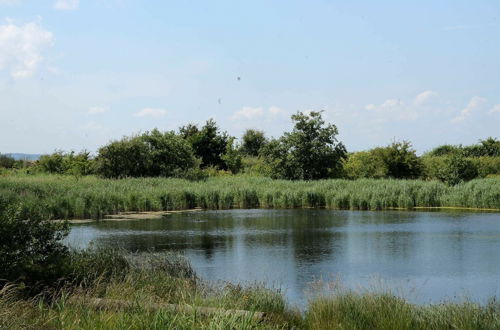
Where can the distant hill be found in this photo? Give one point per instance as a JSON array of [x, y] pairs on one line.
[[20, 156]]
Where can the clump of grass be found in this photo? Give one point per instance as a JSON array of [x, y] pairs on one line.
[[63, 197], [364, 310]]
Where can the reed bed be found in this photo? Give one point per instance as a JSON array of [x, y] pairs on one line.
[[67, 197]]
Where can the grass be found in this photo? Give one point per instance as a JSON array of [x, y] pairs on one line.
[[167, 278], [67, 197]]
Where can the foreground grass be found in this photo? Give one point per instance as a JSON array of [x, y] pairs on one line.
[[143, 280], [166, 278], [66, 197]]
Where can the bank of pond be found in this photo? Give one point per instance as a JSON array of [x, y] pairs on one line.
[[140, 281], [69, 197]]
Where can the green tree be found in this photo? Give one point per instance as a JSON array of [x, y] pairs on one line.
[[208, 143], [457, 168], [311, 151], [253, 141], [401, 160], [232, 157]]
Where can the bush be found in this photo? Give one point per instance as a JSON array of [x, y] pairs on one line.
[[150, 154], [456, 169], [31, 251], [401, 160], [60, 162], [6, 161], [365, 164]]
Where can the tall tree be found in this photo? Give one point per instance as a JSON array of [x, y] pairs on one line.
[[311, 151]]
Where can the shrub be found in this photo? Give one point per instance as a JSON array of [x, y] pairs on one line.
[[150, 154], [456, 169], [401, 160], [365, 164], [31, 251], [6, 161]]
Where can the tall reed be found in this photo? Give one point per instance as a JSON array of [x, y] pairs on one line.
[[66, 197]]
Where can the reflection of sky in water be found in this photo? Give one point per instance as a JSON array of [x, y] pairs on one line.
[[427, 256]]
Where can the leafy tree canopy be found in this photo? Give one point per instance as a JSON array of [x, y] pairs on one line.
[[311, 151]]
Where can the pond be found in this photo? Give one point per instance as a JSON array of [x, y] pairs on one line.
[[423, 256]]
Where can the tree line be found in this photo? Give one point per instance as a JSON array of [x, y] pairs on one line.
[[310, 151]]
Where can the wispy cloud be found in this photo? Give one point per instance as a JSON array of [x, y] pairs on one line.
[[474, 103], [425, 97], [248, 113], [251, 113], [495, 109], [66, 4], [22, 47], [151, 112]]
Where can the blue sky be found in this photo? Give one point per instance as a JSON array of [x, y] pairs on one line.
[[76, 74]]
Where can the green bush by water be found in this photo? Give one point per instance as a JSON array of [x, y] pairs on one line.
[[65, 197]]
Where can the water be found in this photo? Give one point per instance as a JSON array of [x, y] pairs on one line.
[[423, 256]]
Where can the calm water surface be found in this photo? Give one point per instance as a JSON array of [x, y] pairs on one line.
[[424, 256]]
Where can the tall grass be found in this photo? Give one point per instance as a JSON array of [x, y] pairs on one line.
[[66, 197], [351, 310], [148, 279], [156, 278]]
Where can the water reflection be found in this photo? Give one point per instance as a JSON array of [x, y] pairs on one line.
[[442, 255]]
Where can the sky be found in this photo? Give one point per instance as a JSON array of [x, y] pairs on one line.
[[75, 74]]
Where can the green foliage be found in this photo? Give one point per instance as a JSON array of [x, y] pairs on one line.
[[232, 157], [150, 154], [365, 164], [311, 151], [456, 169], [401, 160], [6, 161], [208, 143], [31, 251], [489, 147], [253, 141], [60, 162]]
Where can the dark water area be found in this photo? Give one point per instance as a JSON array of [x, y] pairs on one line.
[[426, 257]]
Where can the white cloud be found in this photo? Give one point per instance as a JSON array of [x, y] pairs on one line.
[[21, 47], [66, 4], [391, 103], [495, 109], [424, 97], [151, 112], [370, 107], [473, 104], [248, 113], [96, 110]]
